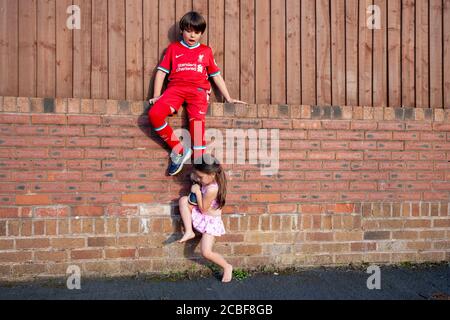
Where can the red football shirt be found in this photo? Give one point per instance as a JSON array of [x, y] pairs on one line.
[[189, 65]]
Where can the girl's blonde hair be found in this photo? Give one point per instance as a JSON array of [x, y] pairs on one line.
[[211, 165]]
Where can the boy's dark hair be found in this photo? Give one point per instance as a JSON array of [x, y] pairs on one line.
[[208, 164], [193, 21]]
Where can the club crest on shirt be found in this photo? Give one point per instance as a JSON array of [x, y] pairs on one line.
[[200, 58]]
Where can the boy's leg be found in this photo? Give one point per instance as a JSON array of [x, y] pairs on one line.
[[197, 108], [158, 113]]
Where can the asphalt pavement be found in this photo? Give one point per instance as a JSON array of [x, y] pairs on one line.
[[431, 282]]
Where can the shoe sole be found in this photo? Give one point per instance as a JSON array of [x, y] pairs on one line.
[[181, 166]]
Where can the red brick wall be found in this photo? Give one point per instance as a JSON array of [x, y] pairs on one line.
[[82, 183]]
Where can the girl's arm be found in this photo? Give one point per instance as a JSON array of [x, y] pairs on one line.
[[159, 81], [204, 203], [220, 83]]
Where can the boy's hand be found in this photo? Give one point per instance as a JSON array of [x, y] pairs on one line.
[[236, 101], [153, 100], [195, 188]]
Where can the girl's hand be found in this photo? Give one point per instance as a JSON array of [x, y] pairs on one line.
[[236, 101], [153, 100], [195, 188]]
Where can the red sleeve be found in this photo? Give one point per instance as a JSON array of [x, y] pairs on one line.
[[212, 68], [166, 62]]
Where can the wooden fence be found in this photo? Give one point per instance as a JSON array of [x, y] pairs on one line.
[[316, 52]]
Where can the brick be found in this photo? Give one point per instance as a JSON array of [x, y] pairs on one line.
[[265, 197], [312, 208], [83, 142], [282, 208], [85, 254], [32, 200], [39, 228], [6, 212], [120, 253], [82, 119], [137, 198], [87, 106], [151, 252], [32, 243], [6, 244], [15, 257], [9, 104], [401, 235], [247, 250], [101, 241], [54, 256], [87, 211], [48, 119], [319, 236], [50, 227], [376, 235], [67, 243]]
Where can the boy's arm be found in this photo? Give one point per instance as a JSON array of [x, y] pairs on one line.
[[159, 81], [220, 83]]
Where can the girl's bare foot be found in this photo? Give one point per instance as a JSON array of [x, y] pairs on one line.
[[227, 273], [187, 236]]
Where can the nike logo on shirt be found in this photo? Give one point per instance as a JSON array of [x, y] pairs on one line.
[[177, 56]]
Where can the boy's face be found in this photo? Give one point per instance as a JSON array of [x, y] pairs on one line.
[[191, 37]]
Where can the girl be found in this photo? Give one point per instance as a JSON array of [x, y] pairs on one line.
[[205, 217]]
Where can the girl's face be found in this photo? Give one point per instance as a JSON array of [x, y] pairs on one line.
[[205, 178], [191, 37]]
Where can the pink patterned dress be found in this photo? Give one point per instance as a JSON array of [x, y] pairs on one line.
[[206, 223]]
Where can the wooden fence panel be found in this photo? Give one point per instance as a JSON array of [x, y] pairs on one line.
[[82, 46], [232, 52], [308, 44], [293, 53], [247, 59], [365, 55], [394, 53], [351, 56], [117, 49], [151, 49], [270, 51], [447, 54], [46, 48], [338, 52], [262, 52], [135, 90], [380, 67], [422, 60], [27, 49], [99, 85], [64, 50], [323, 31], [216, 37], [278, 52], [436, 62], [408, 57]]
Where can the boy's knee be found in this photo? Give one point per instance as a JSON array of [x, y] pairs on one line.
[[152, 113]]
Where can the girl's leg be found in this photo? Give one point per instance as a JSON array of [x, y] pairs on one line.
[[206, 249], [185, 211]]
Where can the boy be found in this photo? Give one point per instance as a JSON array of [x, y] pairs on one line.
[[189, 65]]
